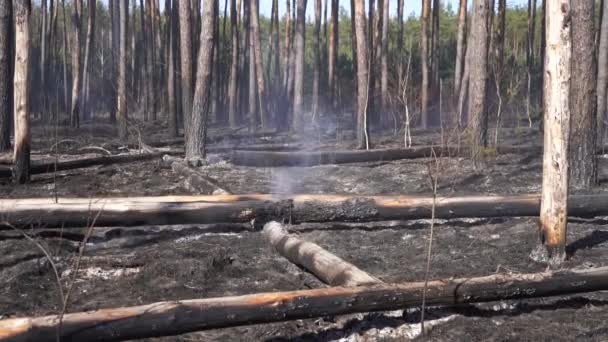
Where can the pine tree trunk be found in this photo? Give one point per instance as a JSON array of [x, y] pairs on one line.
[[460, 46], [90, 42], [259, 66], [362, 74], [76, 65], [234, 67], [424, 61], [316, 59], [43, 59], [121, 106], [500, 38], [583, 134], [477, 57], [435, 45], [6, 76], [602, 79], [21, 170], [332, 81], [114, 58], [185, 32], [195, 144], [171, 47], [384, 61], [298, 79], [554, 205]]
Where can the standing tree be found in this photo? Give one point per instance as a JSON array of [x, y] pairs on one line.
[[424, 63], [298, 79], [583, 134], [362, 75], [195, 144], [460, 46], [234, 67], [384, 60], [530, 53], [554, 198], [76, 65], [477, 56], [90, 41], [317, 59], [21, 171], [259, 66], [121, 105], [332, 81], [171, 88], [6, 77], [602, 78], [185, 44]]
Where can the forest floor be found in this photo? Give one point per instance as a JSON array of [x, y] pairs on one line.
[[139, 265]]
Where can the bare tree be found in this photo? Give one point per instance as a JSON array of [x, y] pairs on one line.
[[172, 47], [234, 67], [435, 44], [460, 46], [554, 198], [6, 76], [362, 75], [602, 79], [424, 61], [317, 59], [90, 41], [195, 144], [121, 105], [583, 133], [21, 17], [185, 44], [333, 55], [76, 65], [477, 57], [298, 92], [259, 66], [384, 60]]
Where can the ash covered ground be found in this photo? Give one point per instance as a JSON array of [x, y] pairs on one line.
[[140, 265]]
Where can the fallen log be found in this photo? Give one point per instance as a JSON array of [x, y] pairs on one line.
[[275, 159], [331, 269], [199, 182], [178, 317], [169, 210], [39, 168]]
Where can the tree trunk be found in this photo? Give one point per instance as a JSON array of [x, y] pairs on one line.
[[6, 76], [259, 66], [332, 81], [460, 46], [233, 119], [583, 134], [298, 79], [326, 266], [185, 32], [424, 63], [121, 106], [316, 59], [530, 52], [435, 45], [253, 96], [384, 96], [21, 171], [477, 57], [43, 59], [362, 74], [602, 79], [76, 65], [90, 42], [554, 203], [195, 143], [179, 317], [500, 39], [114, 58], [171, 91]]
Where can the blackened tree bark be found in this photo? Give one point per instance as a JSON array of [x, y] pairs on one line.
[[362, 75], [171, 91], [195, 144], [583, 132], [76, 65], [477, 57], [6, 76], [298, 91], [234, 67], [121, 105], [21, 17]]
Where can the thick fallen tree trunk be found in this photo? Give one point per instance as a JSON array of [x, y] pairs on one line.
[[178, 317], [167, 210], [273, 159], [85, 162], [329, 268]]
